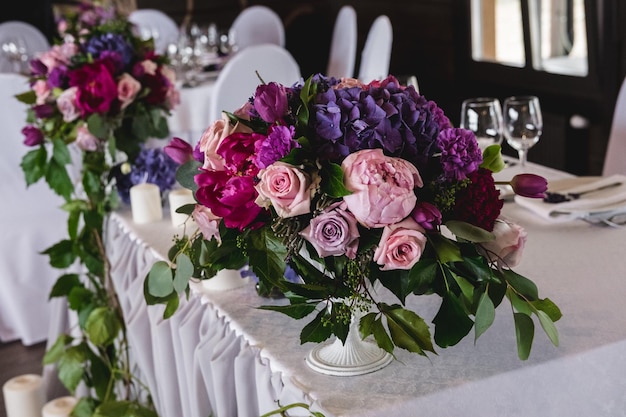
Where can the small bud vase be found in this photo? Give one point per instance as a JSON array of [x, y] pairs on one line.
[[354, 357]]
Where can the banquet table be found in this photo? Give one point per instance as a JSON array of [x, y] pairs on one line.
[[221, 355], [191, 117]]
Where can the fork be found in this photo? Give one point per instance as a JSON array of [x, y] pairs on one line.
[[555, 197]]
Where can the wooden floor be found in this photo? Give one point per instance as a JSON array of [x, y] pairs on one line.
[[17, 359]]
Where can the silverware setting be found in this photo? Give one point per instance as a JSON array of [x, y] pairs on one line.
[[555, 197]]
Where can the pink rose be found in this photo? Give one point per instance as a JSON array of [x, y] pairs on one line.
[[149, 67], [85, 140], [287, 188], [208, 223], [508, 246], [42, 91], [213, 137], [334, 232], [127, 89], [67, 105], [401, 245], [382, 187]]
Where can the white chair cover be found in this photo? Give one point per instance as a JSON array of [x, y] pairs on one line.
[[32, 221], [238, 80], [376, 53], [615, 159], [258, 24], [153, 23], [342, 56], [24, 35]]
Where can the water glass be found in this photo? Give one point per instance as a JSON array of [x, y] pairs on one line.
[[483, 116]]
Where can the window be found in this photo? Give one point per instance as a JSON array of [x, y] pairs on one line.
[[546, 35]]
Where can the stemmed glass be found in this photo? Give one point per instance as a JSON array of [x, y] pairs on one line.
[[483, 116], [523, 124]]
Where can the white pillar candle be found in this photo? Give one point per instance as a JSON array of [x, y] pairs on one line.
[[178, 198], [145, 202], [24, 396], [59, 407]]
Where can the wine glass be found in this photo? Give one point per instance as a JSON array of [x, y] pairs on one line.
[[483, 116], [523, 124]]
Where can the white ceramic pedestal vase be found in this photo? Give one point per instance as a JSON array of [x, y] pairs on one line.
[[224, 280], [355, 357]]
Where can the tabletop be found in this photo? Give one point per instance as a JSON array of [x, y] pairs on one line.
[[578, 265]]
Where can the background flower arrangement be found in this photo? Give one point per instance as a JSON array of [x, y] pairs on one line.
[[348, 185], [96, 97]]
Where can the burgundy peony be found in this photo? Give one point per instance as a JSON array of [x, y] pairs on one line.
[[97, 88]]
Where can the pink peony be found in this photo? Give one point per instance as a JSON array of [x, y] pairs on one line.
[[508, 247], [127, 89], [287, 188], [382, 187], [401, 245], [213, 137]]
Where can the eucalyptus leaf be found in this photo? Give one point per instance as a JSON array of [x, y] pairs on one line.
[[160, 279], [186, 172], [183, 272]]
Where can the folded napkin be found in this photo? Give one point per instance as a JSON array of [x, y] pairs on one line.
[[610, 200]]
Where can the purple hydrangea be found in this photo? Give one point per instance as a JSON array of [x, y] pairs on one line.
[[151, 166], [460, 154], [107, 44]]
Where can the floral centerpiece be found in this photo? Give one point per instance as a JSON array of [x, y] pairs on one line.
[[350, 185], [96, 97]]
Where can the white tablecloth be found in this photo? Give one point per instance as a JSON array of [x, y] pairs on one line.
[[218, 353], [191, 117]]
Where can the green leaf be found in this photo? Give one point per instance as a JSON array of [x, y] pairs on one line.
[[160, 281], [524, 332], [295, 311], [467, 289], [71, 367], [519, 304], [183, 272], [102, 326], [61, 254], [446, 249], [85, 407], [60, 153], [369, 324], [315, 331], [492, 158], [186, 172], [57, 350], [451, 322], [97, 126], [485, 315], [34, 165], [548, 327], [547, 306], [422, 275], [29, 97], [521, 284], [58, 179], [332, 181], [123, 409], [64, 285], [469, 232], [171, 306], [100, 375], [408, 330]]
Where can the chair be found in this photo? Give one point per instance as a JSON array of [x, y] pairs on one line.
[[342, 56], [615, 159], [22, 38], [376, 53], [153, 23], [237, 81], [257, 24], [33, 221]]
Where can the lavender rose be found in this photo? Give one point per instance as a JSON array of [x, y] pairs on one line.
[[382, 187], [334, 232], [287, 188], [508, 246], [85, 140], [67, 105], [401, 245]]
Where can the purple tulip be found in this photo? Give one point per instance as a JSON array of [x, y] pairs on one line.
[[32, 136], [529, 185], [426, 215], [179, 150]]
